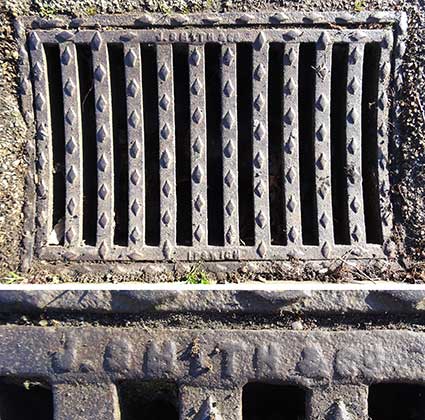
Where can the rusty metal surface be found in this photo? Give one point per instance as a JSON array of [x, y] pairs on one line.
[[83, 346], [216, 301], [84, 365], [196, 32]]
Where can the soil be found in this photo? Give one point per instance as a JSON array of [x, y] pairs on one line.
[[284, 321], [407, 165]]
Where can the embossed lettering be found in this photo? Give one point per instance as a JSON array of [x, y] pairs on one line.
[[196, 37], [266, 358], [159, 359], [313, 363], [160, 37], [232, 352], [67, 360], [213, 255], [118, 355], [353, 362]]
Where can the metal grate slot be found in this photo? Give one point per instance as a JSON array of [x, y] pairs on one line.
[[89, 153], [306, 122], [182, 92], [157, 400], [57, 170], [151, 150], [394, 401], [270, 401], [119, 104], [338, 143], [242, 190], [25, 399], [212, 144], [276, 167], [369, 128]]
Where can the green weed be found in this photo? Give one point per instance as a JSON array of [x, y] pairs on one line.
[[11, 278], [90, 11], [359, 5], [196, 276]]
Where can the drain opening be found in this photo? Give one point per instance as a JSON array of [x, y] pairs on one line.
[[261, 401], [58, 143], [370, 144], [25, 400], [153, 400], [244, 107], [119, 122], [338, 144], [306, 98], [214, 144], [88, 123], [275, 125], [397, 401], [151, 130], [182, 124]]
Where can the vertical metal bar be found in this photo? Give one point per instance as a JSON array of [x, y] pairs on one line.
[[28, 209], [73, 146], [136, 157], [322, 143], [44, 152], [167, 149], [101, 401], [291, 144], [229, 133], [342, 402], [354, 143], [105, 150], [210, 403], [260, 144], [382, 137], [198, 140]]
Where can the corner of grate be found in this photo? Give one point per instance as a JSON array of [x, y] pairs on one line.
[[224, 137]]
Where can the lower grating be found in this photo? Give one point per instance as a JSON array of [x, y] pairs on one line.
[[53, 373], [245, 144]]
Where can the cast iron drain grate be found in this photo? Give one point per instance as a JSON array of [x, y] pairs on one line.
[[263, 138], [229, 374]]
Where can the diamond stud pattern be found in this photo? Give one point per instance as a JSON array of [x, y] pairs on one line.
[[221, 146]]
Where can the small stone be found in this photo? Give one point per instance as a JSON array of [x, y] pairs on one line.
[[297, 325]]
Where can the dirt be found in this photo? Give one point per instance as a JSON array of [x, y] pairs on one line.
[[407, 166], [12, 158], [283, 321]]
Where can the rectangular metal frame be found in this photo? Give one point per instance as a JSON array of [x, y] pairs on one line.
[[260, 29]]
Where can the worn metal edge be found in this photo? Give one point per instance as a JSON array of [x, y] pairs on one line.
[[377, 299], [26, 106], [66, 354], [273, 17]]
